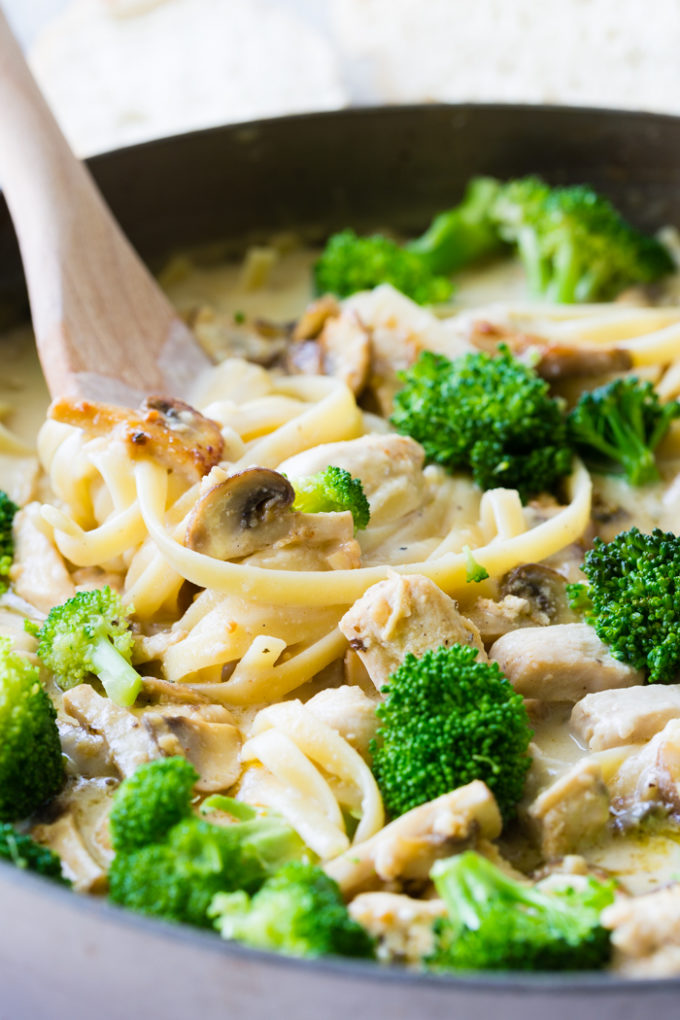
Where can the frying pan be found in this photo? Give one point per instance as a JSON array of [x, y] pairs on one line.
[[62, 956]]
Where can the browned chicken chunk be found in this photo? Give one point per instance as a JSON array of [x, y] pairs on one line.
[[164, 429]]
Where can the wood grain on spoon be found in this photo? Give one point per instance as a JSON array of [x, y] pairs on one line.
[[104, 329]]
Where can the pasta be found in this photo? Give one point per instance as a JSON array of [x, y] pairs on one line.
[[256, 640]]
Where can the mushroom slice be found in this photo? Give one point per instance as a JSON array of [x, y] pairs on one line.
[[164, 429], [245, 512], [544, 589], [207, 737]]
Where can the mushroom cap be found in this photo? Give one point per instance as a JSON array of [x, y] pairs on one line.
[[245, 512]]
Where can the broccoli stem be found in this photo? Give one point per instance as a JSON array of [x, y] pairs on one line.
[[534, 266], [121, 682]]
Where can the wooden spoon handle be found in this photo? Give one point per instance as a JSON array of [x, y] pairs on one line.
[[103, 327]]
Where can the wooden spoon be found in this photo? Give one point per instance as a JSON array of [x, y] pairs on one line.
[[104, 329]]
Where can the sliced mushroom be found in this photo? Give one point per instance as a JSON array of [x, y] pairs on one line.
[[207, 737], [563, 362], [129, 743], [245, 512], [542, 587], [78, 864], [164, 429]]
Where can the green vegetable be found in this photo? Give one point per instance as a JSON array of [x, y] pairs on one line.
[[574, 245], [31, 764], [299, 911], [25, 853], [350, 263], [490, 415], [446, 720], [464, 234], [186, 861], [495, 923], [617, 427], [474, 571], [332, 489], [632, 599], [152, 800], [8, 509], [90, 634]]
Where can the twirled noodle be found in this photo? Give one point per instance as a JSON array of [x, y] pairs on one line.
[[333, 416], [344, 586], [284, 738]]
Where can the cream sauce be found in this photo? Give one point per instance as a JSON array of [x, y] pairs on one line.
[[642, 859]]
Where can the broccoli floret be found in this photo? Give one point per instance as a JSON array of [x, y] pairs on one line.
[[574, 244], [149, 802], [632, 599], [31, 764], [490, 415], [299, 911], [90, 633], [464, 234], [25, 853], [7, 511], [186, 861], [617, 427], [330, 490], [350, 263], [446, 720], [495, 923]]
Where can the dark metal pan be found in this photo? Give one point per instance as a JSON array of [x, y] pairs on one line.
[[63, 957]]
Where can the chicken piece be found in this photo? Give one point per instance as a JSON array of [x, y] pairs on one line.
[[38, 572], [405, 613], [78, 865], [389, 467], [633, 716], [555, 361], [315, 316], [313, 542], [346, 351], [646, 932], [401, 925], [130, 743], [572, 812], [349, 711], [649, 776], [164, 429], [342, 348], [408, 847], [206, 735], [563, 662]]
